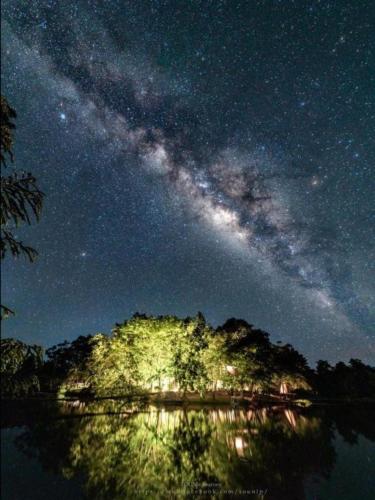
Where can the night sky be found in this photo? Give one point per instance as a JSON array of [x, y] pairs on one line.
[[196, 155]]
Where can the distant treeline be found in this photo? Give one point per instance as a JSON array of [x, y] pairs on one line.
[[165, 353]]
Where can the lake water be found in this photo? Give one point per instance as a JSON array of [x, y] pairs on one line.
[[113, 450]]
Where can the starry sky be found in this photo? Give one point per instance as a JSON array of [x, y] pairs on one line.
[[196, 155]]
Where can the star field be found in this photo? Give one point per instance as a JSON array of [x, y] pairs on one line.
[[214, 156]]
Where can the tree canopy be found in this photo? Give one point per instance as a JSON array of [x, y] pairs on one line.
[[167, 354]]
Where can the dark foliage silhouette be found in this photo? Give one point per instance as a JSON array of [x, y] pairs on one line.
[[21, 199]]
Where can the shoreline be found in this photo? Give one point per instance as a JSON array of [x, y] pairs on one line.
[[23, 411], [194, 398]]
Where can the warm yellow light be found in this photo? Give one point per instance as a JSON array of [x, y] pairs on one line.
[[283, 388], [291, 417], [238, 442]]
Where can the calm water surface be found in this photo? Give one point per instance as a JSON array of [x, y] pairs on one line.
[[111, 450]]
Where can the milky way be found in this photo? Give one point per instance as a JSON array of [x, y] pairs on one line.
[[253, 141]]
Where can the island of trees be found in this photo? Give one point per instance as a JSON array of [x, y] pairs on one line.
[[178, 359]]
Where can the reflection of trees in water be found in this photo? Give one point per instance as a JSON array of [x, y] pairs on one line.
[[169, 453], [352, 422]]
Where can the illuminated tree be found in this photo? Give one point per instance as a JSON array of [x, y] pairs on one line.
[[151, 354], [247, 352], [215, 360], [189, 370], [289, 369], [112, 367], [165, 353], [150, 343]]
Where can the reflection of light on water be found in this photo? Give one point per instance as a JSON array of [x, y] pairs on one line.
[[162, 447], [263, 415], [290, 417], [73, 406], [283, 388], [166, 419], [240, 444]]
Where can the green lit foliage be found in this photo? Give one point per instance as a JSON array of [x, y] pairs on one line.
[[112, 367], [165, 353], [151, 342], [189, 370], [215, 360], [21, 200], [241, 357], [150, 354], [247, 353], [20, 367]]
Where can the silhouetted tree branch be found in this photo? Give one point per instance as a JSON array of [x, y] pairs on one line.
[[21, 199]]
